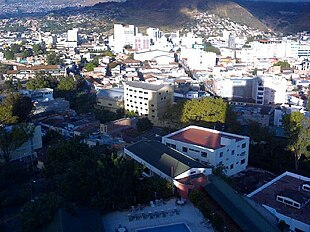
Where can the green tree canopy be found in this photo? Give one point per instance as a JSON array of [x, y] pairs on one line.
[[41, 80], [144, 124], [53, 59], [282, 64], [297, 128], [21, 105], [67, 84]]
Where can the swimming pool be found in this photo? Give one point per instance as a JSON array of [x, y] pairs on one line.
[[182, 227]]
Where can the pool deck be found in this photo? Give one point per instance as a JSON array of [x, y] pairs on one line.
[[188, 214]]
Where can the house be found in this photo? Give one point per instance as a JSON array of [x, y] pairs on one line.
[[149, 100], [212, 147], [27, 149], [288, 198], [181, 170], [111, 99]]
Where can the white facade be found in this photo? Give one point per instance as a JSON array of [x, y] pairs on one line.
[[232, 153], [72, 35], [271, 89], [242, 87], [123, 35], [198, 59]]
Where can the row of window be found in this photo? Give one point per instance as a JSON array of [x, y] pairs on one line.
[[288, 202], [137, 91], [232, 166]]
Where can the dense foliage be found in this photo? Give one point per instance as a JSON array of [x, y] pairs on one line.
[[80, 176], [209, 111]]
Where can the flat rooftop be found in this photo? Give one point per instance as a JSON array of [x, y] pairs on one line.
[[202, 137], [285, 183], [163, 157]]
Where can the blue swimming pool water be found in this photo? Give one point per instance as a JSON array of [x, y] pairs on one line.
[[170, 228]]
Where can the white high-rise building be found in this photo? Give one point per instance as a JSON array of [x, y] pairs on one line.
[[154, 34], [124, 35], [73, 35], [72, 38], [271, 89]]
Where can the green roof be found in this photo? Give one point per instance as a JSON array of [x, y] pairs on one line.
[[163, 158], [237, 207]]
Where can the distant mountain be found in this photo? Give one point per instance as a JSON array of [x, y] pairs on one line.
[[174, 13], [287, 17]]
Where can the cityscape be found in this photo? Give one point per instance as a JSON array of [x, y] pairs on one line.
[[179, 117]]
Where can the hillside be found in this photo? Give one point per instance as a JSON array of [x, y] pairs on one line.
[[174, 13], [287, 17]]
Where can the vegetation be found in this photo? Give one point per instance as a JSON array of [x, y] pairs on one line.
[[211, 112], [21, 106], [91, 65], [37, 214], [53, 59], [144, 124], [297, 128], [282, 64], [198, 198], [210, 48]]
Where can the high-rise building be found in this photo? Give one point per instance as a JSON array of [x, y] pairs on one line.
[[124, 35], [72, 38]]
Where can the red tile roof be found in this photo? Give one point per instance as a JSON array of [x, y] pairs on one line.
[[202, 138]]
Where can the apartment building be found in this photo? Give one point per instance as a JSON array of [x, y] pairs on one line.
[[212, 147], [145, 99], [287, 197]]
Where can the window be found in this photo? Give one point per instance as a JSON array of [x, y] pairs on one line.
[[193, 150], [243, 153], [243, 145], [231, 166], [204, 154], [184, 149], [232, 152], [145, 92], [173, 146], [242, 161], [221, 154], [152, 104]]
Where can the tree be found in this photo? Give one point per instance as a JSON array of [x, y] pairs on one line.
[[21, 105], [8, 86], [90, 67], [282, 64], [27, 53], [37, 214], [8, 54], [53, 59], [67, 84], [41, 80], [297, 129], [144, 124], [6, 115], [12, 137]]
